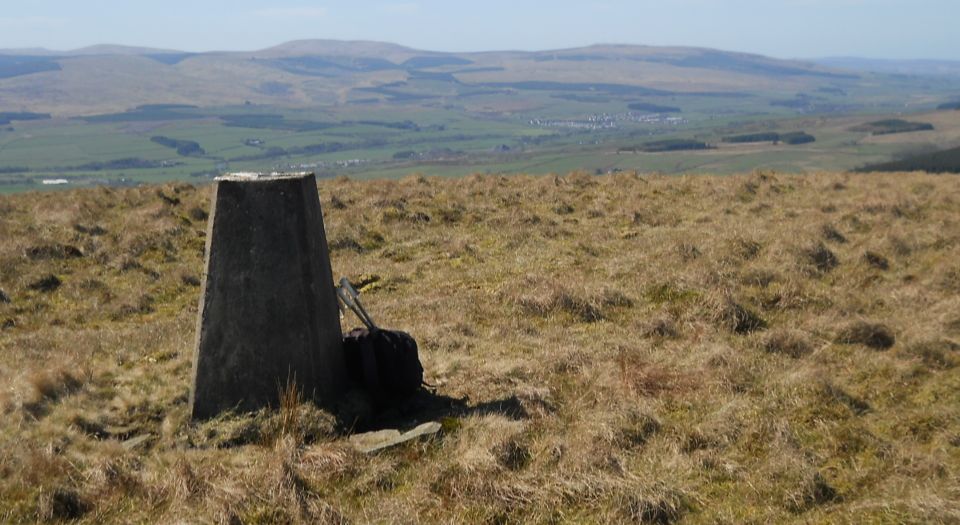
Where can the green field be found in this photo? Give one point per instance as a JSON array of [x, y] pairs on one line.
[[531, 131]]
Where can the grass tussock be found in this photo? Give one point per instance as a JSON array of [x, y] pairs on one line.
[[623, 349], [642, 378], [939, 354], [872, 335], [49, 386], [543, 297], [62, 504], [819, 258], [813, 491], [637, 429], [832, 234], [791, 343], [661, 507], [47, 283], [662, 326], [875, 260], [735, 317], [52, 251]]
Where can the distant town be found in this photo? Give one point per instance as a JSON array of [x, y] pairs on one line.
[[602, 121]]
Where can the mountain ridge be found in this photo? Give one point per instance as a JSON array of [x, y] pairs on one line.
[[114, 48], [318, 72], [920, 66], [334, 46]]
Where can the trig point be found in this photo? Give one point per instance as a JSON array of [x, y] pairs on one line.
[[268, 312]]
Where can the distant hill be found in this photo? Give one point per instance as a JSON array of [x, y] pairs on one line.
[[109, 78], [353, 48], [100, 49], [898, 67]]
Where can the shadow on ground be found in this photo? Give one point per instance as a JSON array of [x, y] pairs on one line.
[[424, 406]]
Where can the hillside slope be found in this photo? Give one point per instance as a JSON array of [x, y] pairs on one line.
[[897, 67], [102, 79], [759, 348]]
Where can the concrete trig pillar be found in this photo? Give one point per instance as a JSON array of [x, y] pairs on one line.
[[268, 311]]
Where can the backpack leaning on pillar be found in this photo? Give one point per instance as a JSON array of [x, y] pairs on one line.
[[386, 363]]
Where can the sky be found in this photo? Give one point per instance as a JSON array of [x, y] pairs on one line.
[[901, 29]]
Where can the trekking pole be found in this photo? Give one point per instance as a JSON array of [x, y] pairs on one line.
[[345, 283], [351, 299], [348, 301]]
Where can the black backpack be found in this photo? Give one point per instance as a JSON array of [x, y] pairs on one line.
[[384, 362]]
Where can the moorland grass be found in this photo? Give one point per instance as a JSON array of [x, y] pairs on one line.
[[757, 348]]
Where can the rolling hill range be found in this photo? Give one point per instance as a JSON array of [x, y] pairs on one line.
[[124, 115], [114, 78], [900, 67]]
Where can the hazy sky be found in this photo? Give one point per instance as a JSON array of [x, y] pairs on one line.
[[782, 28]]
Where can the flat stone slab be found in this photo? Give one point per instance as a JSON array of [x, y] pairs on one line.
[[268, 310], [373, 441], [137, 441]]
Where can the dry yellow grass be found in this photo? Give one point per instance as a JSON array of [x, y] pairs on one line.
[[615, 349]]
